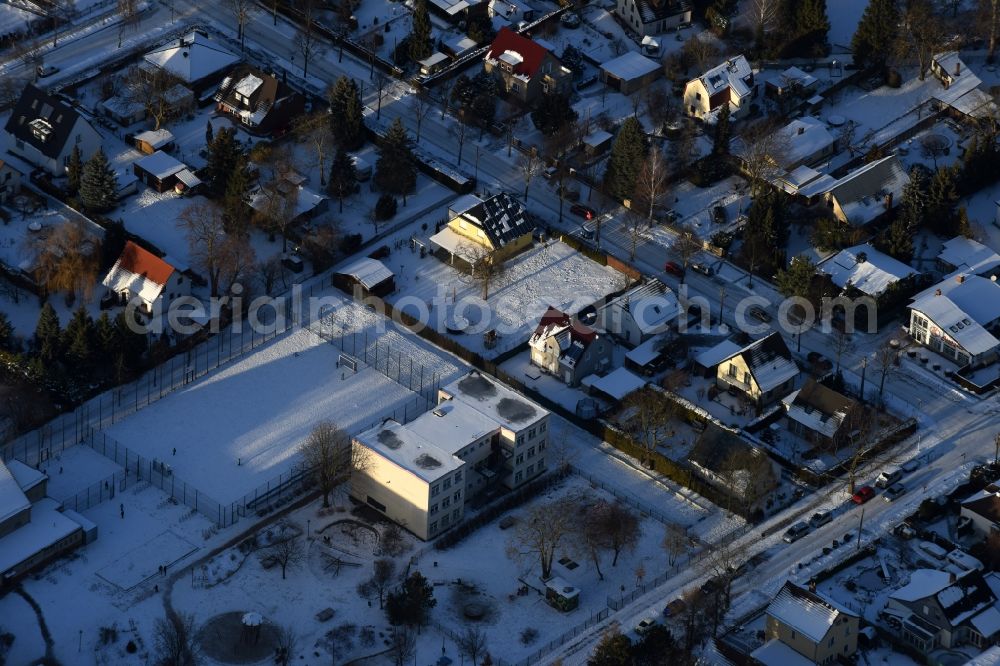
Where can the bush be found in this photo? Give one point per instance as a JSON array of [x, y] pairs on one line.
[[893, 79], [350, 243], [385, 207], [529, 635], [131, 647]]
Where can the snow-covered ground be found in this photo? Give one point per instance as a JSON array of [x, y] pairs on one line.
[[552, 274]]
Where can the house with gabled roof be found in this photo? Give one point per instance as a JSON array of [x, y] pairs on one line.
[[868, 193], [731, 82], [566, 348], [524, 68], [139, 274], [641, 313], [763, 371], [498, 224], [728, 461], [258, 101], [866, 269], [821, 415], [983, 510], [942, 609], [967, 255], [44, 128], [812, 625], [653, 17], [959, 318], [194, 58]]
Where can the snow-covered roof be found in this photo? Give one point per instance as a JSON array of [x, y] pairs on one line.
[[805, 181], [871, 274], [617, 383], [962, 308], [990, 657], [192, 57], [818, 408], [305, 199], [967, 254], [863, 193], [367, 271], [957, 79], [806, 137], [452, 425], [454, 243], [155, 138], [504, 405], [652, 305], [27, 477], [459, 44], [399, 444], [795, 76], [987, 623], [809, 613], [160, 165], [597, 138], [12, 498], [139, 272], [769, 361], [462, 204], [630, 66], [433, 59], [735, 73], [187, 177], [248, 85], [501, 217], [713, 356], [776, 653], [923, 583], [648, 351], [47, 527]]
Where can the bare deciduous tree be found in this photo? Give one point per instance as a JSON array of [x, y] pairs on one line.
[[842, 343], [609, 526], [175, 640], [886, 362], [675, 542], [763, 150], [221, 257], [749, 475], [540, 531], [487, 266], [472, 643], [635, 224], [307, 41], [315, 130], [284, 650], [287, 549], [276, 194], [647, 416], [66, 258], [383, 571], [332, 457], [922, 36], [761, 15], [402, 645], [686, 246], [651, 183], [990, 20], [241, 10], [421, 105], [530, 166]]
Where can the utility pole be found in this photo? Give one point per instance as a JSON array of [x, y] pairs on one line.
[[864, 366], [722, 303], [996, 449], [860, 525]]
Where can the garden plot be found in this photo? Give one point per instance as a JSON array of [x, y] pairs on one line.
[[240, 427], [546, 275]]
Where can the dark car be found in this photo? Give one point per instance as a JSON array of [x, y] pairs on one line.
[[674, 608], [582, 211], [672, 268], [863, 494], [759, 314], [703, 269], [719, 215]]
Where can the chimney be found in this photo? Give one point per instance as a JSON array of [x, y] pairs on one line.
[[958, 68], [951, 577], [802, 129], [960, 279], [812, 585], [888, 201], [937, 292]]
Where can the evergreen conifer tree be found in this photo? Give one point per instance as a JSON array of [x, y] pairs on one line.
[[395, 171], [98, 184], [6, 333], [419, 41], [78, 341], [346, 117], [615, 649], [236, 199], [876, 34], [942, 198], [74, 169], [48, 336], [898, 241], [720, 143], [343, 177], [224, 154], [627, 154]]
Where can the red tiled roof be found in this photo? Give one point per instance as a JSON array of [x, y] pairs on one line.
[[531, 52], [142, 262], [557, 318]]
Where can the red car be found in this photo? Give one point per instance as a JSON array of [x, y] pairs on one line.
[[864, 494], [582, 211], [674, 269]]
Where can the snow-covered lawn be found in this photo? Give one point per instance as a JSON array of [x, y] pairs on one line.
[[552, 274]]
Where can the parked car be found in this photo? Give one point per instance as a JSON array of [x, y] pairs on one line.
[[550, 173], [904, 531], [893, 492], [670, 216], [795, 532], [587, 233], [46, 70], [568, 193], [964, 561], [863, 494], [703, 269], [672, 268], [674, 608], [759, 314], [507, 522], [709, 586], [645, 625], [570, 20], [719, 215], [911, 465], [888, 477], [582, 211], [293, 262], [820, 518]]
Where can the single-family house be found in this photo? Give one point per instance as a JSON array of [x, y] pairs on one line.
[[44, 129], [196, 59], [163, 172], [642, 312], [258, 101], [866, 269], [140, 275], [290, 197], [948, 68], [983, 509], [614, 386], [762, 371], [564, 347], [806, 141], [967, 255], [812, 625], [651, 356], [150, 141], [524, 68], [10, 182], [821, 415], [727, 461], [597, 142], [867, 193], [421, 474], [34, 529], [805, 182], [731, 82], [498, 224], [370, 275], [629, 72], [942, 609], [791, 82], [653, 17], [959, 318]]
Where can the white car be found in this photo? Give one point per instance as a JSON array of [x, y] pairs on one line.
[[644, 626]]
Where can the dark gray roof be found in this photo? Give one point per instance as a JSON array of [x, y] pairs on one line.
[[56, 116], [501, 217], [657, 10]]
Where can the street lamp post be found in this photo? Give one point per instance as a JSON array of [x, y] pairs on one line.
[[864, 367], [307, 527]]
